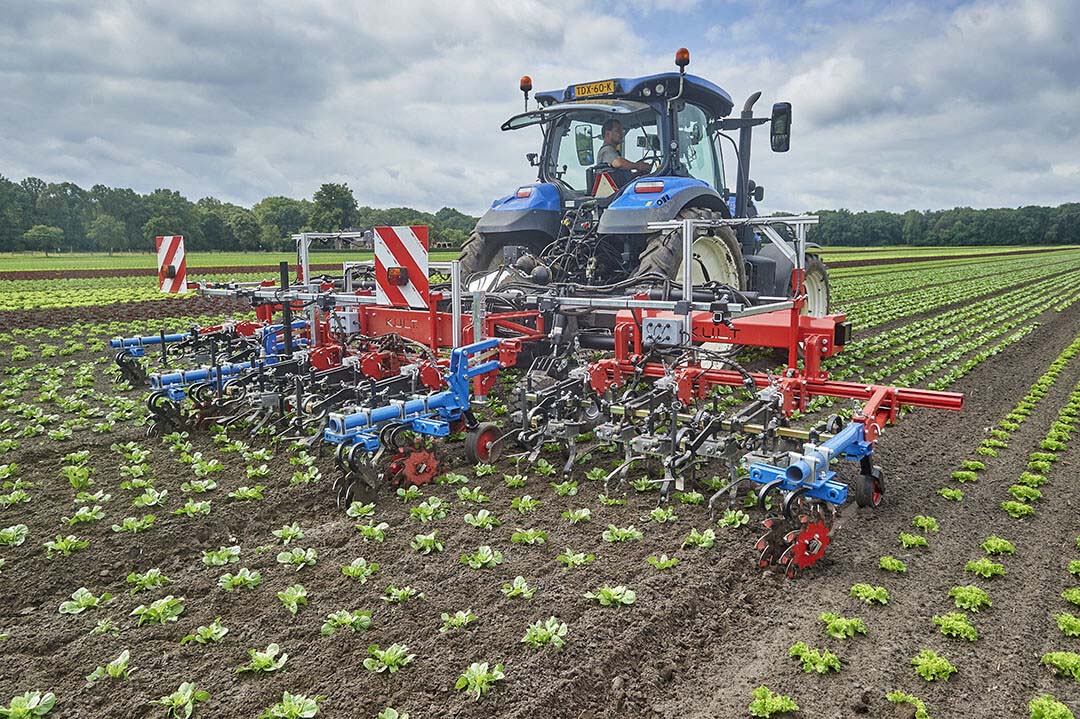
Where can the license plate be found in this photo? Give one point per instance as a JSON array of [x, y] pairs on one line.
[[589, 89]]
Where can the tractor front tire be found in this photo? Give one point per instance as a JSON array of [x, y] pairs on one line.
[[480, 253], [718, 256]]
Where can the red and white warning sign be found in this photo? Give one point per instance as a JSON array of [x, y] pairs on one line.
[[401, 266], [172, 270]]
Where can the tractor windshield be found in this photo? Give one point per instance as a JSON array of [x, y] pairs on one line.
[[576, 138]]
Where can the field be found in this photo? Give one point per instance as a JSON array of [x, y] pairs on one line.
[[922, 572]]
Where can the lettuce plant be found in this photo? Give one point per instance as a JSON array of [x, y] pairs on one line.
[[344, 619], [956, 624], [269, 660], [839, 627], [360, 569], [391, 659], [814, 660], [932, 667], [479, 678], [612, 596], [764, 703], [544, 632]]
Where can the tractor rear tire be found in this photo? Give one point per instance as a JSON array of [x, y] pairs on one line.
[[718, 256]]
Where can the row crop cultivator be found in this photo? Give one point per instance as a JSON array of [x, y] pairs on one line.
[[627, 291], [382, 362]]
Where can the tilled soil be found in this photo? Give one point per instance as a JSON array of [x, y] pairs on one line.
[[697, 640], [133, 311]]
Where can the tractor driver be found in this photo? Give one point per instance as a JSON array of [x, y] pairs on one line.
[[612, 131]]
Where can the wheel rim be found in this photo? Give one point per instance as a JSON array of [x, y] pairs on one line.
[[712, 261], [817, 295], [483, 445]]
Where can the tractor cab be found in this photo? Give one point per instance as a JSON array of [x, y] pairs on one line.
[[666, 123], [617, 157]]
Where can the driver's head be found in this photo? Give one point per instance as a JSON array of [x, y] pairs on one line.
[[612, 131]]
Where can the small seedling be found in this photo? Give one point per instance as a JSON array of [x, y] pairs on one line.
[[926, 524], [244, 578], [956, 624], [483, 519], [898, 697], [293, 597], [134, 524], [83, 599], [620, 534], [544, 632], [952, 494], [344, 619], [269, 660], [518, 588], [839, 627], [565, 489], [181, 703], [985, 568], [1063, 664], [359, 510], [457, 620], [764, 703], [360, 569], [1017, 510], [870, 594], [662, 562], [65, 546], [211, 634], [290, 532], [1046, 707], [571, 559], [222, 556], [970, 598], [483, 558], [663, 515], [1068, 624], [524, 504], [577, 516], [426, 543], [996, 545], [612, 596], [391, 659], [116, 669], [478, 679], [166, 609], [813, 660], [395, 595], [372, 532], [932, 667], [891, 564], [528, 536], [733, 518], [293, 706], [908, 540]]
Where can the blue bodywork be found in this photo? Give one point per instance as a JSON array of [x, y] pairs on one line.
[[541, 212], [811, 471], [431, 415]]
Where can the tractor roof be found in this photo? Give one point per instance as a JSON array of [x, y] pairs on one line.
[[695, 89]]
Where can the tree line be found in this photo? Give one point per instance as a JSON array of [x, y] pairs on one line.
[[35, 215], [1030, 225]]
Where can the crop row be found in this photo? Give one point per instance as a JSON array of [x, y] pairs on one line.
[[91, 292], [871, 313], [856, 287]]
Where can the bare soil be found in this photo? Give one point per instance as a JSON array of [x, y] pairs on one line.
[[698, 639]]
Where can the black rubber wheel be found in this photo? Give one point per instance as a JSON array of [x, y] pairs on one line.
[[480, 444], [481, 253], [663, 251], [870, 488]]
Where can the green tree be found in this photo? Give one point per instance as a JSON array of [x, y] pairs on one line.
[[43, 238], [106, 233], [334, 208]]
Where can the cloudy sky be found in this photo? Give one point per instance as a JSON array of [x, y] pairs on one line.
[[896, 105]]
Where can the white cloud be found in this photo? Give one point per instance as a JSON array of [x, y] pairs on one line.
[[895, 106]]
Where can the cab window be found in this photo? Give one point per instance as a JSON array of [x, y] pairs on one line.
[[697, 153]]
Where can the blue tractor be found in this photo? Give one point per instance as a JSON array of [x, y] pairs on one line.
[[585, 220]]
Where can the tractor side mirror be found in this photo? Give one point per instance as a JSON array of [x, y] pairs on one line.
[[756, 191], [583, 141], [532, 158], [780, 127]]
